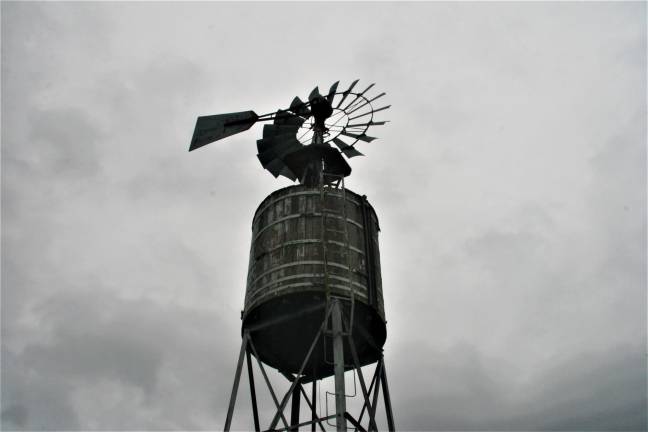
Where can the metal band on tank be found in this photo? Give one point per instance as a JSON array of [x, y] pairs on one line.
[[261, 298], [301, 190], [298, 215], [298, 242], [293, 264], [306, 276]]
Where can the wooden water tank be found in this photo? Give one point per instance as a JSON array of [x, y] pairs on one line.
[[286, 288]]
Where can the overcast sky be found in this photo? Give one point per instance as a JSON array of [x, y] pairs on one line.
[[510, 187]]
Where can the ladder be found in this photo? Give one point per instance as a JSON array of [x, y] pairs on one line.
[[327, 185]]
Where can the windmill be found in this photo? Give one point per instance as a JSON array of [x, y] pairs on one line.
[[313, 306]]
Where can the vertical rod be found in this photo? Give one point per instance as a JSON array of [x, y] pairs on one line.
[[388, 407], [338, 366], [255, 411], [237, 379], [314, 405], [294, 408]]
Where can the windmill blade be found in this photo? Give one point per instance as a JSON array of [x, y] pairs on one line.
[[286, 172], [285, 146], [371, 123], [365, 103], [349, 151], [346, 93], [275, 166], [277, 145], [299, 107], [362, 137], [215, 127], [370, 112], [331, 93], [299, 161], [358, 96], [315, 93]]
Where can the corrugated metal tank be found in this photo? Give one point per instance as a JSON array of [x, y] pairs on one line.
[[286, 288]]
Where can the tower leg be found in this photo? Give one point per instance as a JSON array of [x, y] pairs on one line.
[[338, 360], [237, 379], [388, 406], [255, 411], [314, 405], [294, 409]]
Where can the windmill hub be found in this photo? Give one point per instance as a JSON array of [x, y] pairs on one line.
[[322, 110]]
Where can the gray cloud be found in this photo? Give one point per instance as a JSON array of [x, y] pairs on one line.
[[105, 344], [510, 186], [594, 391]]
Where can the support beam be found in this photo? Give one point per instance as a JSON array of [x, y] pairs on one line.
[[374, 403], [255, 411], [338, 367], [356, 424], [237, 379], [388, 406], [314, 406], [294, 409]]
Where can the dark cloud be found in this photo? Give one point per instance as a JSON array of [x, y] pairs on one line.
[[120, 346]]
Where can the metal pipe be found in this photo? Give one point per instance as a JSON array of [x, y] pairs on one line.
[[294, 408], [237, 379], [255, 411], [388, 406], [313, 406], [338, 366]]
